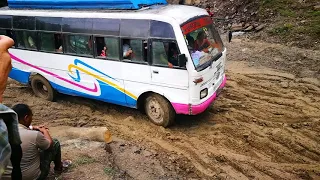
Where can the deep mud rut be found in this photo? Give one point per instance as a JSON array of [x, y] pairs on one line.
[[264, 125]]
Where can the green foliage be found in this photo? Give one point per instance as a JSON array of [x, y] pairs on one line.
[[82, 160], [108, 171], [281, 30], [287, 13], [292, 19]]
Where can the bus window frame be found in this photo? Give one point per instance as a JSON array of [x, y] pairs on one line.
[[51, 32], [106, 58], [131, 61], [164, 40], [36, 39], [64, 36]]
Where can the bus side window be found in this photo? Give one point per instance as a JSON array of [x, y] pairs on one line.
[[134, 50], [165, 54], [51, 42], [107, 47], [79, 44], [26, 39]]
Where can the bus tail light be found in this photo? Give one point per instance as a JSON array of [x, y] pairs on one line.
[[203, 93]]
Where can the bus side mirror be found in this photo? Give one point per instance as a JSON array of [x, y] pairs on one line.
[[182, 60]]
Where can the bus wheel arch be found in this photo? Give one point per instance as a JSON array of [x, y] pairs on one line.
[[157, 107], [42, 87]]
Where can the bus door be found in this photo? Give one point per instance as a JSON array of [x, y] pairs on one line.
[[165, 69]]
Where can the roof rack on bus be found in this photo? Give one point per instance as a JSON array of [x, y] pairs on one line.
[[83, 4]]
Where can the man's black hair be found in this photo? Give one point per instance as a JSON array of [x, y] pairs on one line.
[[22, 110]]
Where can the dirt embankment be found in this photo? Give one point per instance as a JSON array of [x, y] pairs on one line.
[[265, 125]]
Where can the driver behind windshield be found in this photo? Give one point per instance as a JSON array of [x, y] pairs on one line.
[[202, 42]]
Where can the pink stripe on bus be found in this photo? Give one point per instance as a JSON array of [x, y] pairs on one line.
[[95, 89]]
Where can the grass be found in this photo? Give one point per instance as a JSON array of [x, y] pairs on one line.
[[287, 13], [282, 29], [292, 20], [109, 171], [82, 160]]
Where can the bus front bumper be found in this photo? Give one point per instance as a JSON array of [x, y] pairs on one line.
[[197, 109]]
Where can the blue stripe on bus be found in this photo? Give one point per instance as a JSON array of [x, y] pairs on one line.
[[108, 94], [20, 76]]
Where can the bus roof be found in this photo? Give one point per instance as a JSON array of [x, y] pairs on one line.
[[179, 13]]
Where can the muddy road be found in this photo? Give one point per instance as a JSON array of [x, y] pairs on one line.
[[264, 125]]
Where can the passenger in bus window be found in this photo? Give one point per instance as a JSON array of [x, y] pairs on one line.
[[104, 52], [145, 50], [202, 42], [27, 40], [101, 47], [127, 51], [31, 42], [90, 43], [190, 42], [58, 42], [172, 52]]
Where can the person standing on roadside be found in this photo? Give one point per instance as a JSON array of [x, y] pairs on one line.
[[208, 9], [10, 149]]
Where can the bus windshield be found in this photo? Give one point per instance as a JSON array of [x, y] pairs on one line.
[[204, 42]]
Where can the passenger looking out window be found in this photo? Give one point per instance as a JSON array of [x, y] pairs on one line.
[[26, 39], [172, 53], [127, 51], [101, 47], [165, 54], [107, 47], [134, 50], [58, 43], [50, 42]]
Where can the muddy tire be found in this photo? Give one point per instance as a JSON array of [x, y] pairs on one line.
[[42, 88], [159, 110]]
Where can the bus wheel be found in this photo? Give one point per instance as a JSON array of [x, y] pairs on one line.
[[159, 110], [42, 88]]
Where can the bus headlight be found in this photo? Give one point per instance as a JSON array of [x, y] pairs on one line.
[[203, 93]]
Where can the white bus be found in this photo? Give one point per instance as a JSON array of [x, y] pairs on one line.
[[165, 59]]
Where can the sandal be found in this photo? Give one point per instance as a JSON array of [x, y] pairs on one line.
[[65, 164]]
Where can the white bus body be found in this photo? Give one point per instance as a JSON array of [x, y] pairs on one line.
[[119, 81]]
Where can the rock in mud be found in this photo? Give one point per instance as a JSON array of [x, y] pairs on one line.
[[236, 27], [221, 158], [129, 118], [250, 28], [284, 84], [246, 135], [317, 7], [260, 27], [137, 150], [147, 153]]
